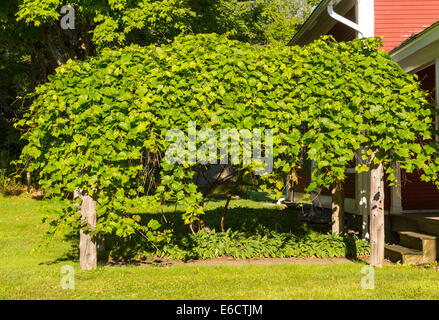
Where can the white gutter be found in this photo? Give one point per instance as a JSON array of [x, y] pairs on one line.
[[365, 17], [311, 21], [343, 20]]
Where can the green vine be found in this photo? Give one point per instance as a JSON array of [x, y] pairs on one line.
[[100, 125]]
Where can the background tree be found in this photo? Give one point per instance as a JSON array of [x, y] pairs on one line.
[[33, 45]]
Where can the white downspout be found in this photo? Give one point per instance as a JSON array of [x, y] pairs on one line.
[[343, 20]]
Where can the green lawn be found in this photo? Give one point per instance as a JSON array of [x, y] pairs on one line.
[[37, 276]]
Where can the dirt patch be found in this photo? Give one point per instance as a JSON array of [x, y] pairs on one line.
[[229, 261]]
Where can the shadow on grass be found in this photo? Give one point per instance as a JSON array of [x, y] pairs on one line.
[[72, 255], [245, 227], [351, 248], [244, 219]]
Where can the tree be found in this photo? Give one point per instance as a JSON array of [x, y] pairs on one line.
[[257, 22], [118, 23], [98, 25], [337, 217], [34, 43]]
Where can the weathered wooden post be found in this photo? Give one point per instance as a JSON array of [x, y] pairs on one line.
[[87, 244], [377, 216], [337, 194], [28, 180]]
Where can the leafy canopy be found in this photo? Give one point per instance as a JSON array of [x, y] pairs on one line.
[[99, 125]]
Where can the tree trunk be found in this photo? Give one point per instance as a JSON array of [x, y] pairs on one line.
[[34, 70], [377, 216], [54, 46], [44, 64], [202, 223], [337, 193], [229, 197], [364, 203], [87, 42], [223, 215], [87, 245]]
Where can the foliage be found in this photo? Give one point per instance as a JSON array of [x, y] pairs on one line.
[[254, 231], [118, 23], [9, 143], [257, 22], [100, 125], [113, 21], [283, 18], [243, 245], [10, 185], [15, 80]]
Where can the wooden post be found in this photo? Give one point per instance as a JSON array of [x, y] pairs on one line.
[[377, 216], [362, 195], [337, 193], [396, 192], [87, 245], [290, 189], [28, 180], [292, 179]]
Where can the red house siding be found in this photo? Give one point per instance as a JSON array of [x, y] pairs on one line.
[[304, 177], [349, 186], [397, 20], [426, 77], [386, 194], [416, 194]]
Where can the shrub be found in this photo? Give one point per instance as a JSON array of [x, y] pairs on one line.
[[243, 245]]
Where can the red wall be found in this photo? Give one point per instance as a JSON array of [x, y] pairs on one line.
[[397, 20], [304, 176], [349, 186], [416, 194]]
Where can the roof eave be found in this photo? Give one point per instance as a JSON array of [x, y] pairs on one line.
[[415, 38], [310, 21], [416, 42]]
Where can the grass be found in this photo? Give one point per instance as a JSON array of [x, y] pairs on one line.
[[37, 276]]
